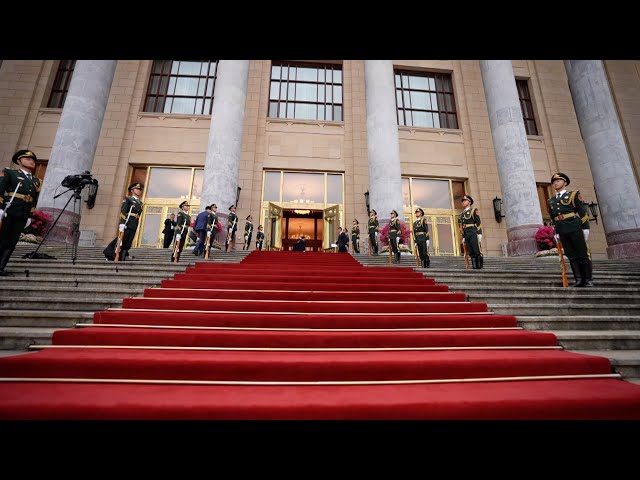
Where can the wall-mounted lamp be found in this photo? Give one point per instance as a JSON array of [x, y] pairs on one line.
[[593, 208], [366, 201], [497, 209], [238, 196]]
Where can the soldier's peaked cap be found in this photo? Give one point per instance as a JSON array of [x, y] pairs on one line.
[[232, 206], [561, 176], [136, 185], [183, 204], [468, 198], [23, 153]]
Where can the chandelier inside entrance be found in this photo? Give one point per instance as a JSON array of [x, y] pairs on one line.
[[302, 200]]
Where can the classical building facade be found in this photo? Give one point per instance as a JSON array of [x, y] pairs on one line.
[[308, 146]]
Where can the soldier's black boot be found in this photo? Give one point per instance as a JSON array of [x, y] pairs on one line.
[[577, 273], [480, 261], [123, 255], [588, 277], [398, 257], [4, 259], [426, 262], [474, 263]]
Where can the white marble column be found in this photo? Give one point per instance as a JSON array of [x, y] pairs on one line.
[[222, 163], [618, 196], [75, 143], [515, 168], [385, 181]]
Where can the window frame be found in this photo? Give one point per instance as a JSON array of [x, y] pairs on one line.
[[443, 91]]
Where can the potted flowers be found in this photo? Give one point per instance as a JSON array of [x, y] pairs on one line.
[[545, 239], [404, 238], [38, 227]]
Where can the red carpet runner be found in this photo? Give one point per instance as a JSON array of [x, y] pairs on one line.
[[285, 335]]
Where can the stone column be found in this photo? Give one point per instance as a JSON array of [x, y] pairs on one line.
[[75, 143], [515, 169], [618, 197], [222, 162], [385, 181]]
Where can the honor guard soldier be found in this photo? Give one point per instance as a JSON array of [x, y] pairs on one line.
[[471, 225], [355, 236], [212, 225], [394, 236], [182, 230], [248, 233], [421, 237], [232, 226], [19, 190], [259, 238], [372, 226], [130, 211], [570, 217]]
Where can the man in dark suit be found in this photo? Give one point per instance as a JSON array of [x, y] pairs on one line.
[[202, 221], [299, 245], [169, 229], [19, 191]]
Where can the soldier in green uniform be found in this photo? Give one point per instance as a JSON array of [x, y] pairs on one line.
[[394, 236], [570, 217], [259, 238], [248, 233], [19, 190], [421, 237], [183, 223], [471, 231], [372, 226], [232, 226], [130, 212], [212, 224], [355, 236]]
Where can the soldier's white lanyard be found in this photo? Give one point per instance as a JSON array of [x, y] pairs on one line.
[[11, 200]]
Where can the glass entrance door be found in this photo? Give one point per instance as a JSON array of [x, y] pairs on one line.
[[331, 220], [273, 224]]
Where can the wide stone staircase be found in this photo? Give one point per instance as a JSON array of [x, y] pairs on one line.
[[45, 295], [603, 320]]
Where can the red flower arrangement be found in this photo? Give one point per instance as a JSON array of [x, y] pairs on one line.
[[404, 234], [40, 222], [545, 238]]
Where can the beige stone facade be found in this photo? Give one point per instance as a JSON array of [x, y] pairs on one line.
[[131, 137]]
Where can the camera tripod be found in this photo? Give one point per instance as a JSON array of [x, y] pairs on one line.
[[75, 229]]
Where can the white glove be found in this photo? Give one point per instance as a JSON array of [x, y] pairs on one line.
[[209, 233], [178, 237], [376, 234], [245, 237], [557, 237], [479, 238], [1, 213], [586, 234], [230, 230], [121, 227], [427, 244], [29, 223], [463, 240]]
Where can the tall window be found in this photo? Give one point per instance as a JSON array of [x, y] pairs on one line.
[[61, 84], [306, 91], [425, 99], [527, 107], [181, 87]]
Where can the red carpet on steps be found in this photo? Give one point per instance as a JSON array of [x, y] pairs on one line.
[[286, 335]]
